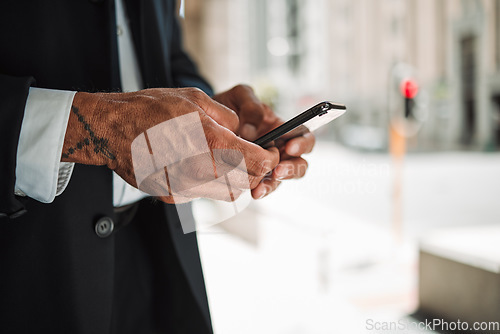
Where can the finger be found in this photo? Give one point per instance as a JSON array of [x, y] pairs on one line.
[[236, 177], [236, 171], [256, 180], [205, 168], [248, 131], [293, 168], [243, 95], [252, 112], [258, 161], [196, 177], [251, 119], [232, 152], [220, 113], [217, 189], [300, 145], [266, 187], [186, 184], [220, 191], [262, 120], [249, 108], [245, 103]]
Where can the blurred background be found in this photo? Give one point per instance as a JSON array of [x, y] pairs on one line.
[[398, 217]]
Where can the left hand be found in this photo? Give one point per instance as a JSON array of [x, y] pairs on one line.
[[256, 119]]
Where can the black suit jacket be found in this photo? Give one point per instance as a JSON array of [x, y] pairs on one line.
[[56, 274]]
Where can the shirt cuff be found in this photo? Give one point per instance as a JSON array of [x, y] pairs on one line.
[[40, 174]]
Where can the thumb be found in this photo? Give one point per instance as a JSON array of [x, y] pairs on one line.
[[222, 115]]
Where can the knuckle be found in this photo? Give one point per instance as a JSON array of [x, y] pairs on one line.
[[196, 94], [254, 168], [268, 186], [255, 108], [186, 103], [198, 172], [212, 139], [233, 118], [254, 181], [263, 167], [243, 88], [275, 158], [195, 90], [275, 185]]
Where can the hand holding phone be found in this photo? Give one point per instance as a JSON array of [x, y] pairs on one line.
[[309, 120]]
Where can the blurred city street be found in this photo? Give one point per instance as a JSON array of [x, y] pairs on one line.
[[343, 248], [325, 255]]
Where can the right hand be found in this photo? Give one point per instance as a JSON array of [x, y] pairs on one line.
[[103, 126]]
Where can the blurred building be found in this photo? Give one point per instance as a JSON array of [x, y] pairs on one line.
[[298, 52]]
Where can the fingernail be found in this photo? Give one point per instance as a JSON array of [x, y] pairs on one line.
[[262, 194], [278, 170], [294, 149], [249, 131], [282, 171]]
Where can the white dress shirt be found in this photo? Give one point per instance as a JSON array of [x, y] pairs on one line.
[[39, 172]]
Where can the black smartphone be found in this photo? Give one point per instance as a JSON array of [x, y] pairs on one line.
[[323, 112]]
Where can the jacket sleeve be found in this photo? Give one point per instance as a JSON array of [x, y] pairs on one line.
[[185, 71], [13, 95]]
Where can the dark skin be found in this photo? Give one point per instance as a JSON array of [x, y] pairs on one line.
[[256, 119], [102, 127]]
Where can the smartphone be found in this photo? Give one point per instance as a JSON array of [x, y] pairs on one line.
[[309, 120]]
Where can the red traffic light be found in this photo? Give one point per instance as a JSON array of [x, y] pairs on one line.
[[409, 88]]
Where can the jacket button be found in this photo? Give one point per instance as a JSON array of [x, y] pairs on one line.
[[104, 227]]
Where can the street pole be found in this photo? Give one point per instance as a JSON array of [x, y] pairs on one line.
[[397, 149]]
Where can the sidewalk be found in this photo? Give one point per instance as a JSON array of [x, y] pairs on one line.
[[327, 260]]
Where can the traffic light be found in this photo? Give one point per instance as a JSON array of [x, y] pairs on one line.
[[409, 89], [407, 100]]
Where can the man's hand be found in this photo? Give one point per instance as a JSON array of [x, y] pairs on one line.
[[103, 126], [256, 119]]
